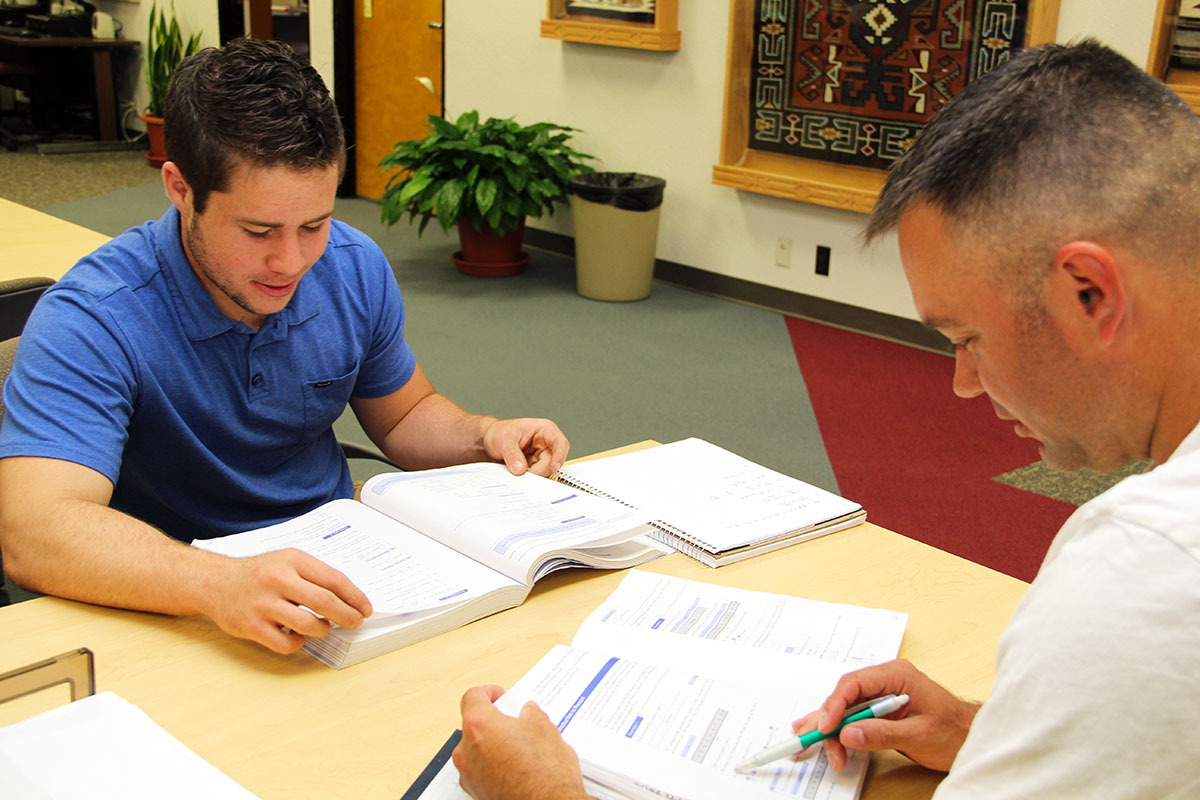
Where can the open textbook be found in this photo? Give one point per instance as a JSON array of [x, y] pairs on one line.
[[436, 549], [671, 683], [714, 505]]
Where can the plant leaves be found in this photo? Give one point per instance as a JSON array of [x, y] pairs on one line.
[[485, 194], [496, 173], [443, 128], [415, 185], [467, 121], [517, 178], [494, 222], [164, 50], [449, 202]]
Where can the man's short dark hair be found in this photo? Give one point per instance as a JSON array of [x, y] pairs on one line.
[[251, 101], [1063, 142]]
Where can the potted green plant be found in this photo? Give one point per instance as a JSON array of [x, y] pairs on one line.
[[484, 177], [165, 48]]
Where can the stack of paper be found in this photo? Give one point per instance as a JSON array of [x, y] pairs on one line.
[[102, 747]]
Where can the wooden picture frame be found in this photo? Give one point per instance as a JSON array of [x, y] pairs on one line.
[[662, 34], [1185, 82], [796, 178]]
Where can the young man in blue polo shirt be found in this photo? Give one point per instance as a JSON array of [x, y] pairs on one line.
[[181, 382]]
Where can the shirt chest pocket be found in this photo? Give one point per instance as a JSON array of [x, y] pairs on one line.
[[324, 402]]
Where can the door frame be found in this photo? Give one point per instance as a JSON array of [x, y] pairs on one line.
[[344, 84]]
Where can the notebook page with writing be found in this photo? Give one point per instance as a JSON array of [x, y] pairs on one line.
[[709, 497]]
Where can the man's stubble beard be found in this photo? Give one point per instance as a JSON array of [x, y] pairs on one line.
[[195, 243]]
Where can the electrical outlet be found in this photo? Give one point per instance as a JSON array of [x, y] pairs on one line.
[[783, 252], [822, 260]]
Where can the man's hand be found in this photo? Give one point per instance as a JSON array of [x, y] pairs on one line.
[[930, 729], [260, 598], [536, 445], [502, 758]]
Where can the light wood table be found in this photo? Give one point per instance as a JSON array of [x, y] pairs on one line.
[[34, 244], [290, 727]]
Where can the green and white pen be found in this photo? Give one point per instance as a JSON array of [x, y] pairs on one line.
[[879, 707]]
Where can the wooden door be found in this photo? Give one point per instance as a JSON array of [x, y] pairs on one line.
[[394, 44]]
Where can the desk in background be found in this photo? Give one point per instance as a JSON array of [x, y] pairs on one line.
[[34, 244], [45, 54], [290, 727]]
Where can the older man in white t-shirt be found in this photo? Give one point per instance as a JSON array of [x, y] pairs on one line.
[[1048, 225]]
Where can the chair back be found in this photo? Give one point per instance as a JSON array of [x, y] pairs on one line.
[[17, 297], [8, 350]]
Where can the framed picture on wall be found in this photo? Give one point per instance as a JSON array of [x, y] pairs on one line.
[[822, 96], [640, 24], [627, 10], [1175, 48]]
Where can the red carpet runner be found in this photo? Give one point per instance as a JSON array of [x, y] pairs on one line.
[[919, 458]]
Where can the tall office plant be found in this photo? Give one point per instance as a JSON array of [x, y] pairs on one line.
[[165, 48]]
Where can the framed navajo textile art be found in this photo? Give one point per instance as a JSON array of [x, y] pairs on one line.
[[822, 96]]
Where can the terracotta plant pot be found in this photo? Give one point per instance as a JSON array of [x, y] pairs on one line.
[[489, 256], [154, 132]]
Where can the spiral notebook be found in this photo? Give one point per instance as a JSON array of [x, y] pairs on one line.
[[712, 504]]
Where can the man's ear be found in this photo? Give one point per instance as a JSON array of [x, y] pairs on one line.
[[1092, 287], [179, 192]]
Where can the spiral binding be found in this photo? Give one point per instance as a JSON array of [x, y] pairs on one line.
[[665, 532]]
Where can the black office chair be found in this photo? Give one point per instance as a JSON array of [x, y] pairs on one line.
[[8, 348], [17, 297], [354, 450]]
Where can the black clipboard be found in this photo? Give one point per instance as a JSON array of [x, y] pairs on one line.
[[432, 768]]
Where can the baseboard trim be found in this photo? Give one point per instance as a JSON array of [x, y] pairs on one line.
[[794, 304]]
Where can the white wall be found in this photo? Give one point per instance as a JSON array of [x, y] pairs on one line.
[[660, 113], [320, 38]]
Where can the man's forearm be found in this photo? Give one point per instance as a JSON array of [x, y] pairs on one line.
[[84, 551], [437, 433]]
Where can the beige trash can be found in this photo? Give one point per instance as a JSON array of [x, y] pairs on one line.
[[616, 233]]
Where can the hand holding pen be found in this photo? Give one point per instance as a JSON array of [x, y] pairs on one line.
[[930, 729], [879, 707]]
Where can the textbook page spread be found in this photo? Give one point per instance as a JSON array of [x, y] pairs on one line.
[[671, 683], [436, 549], [714, 505]]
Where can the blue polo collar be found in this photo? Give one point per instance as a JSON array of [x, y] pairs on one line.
[[198, 313]]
